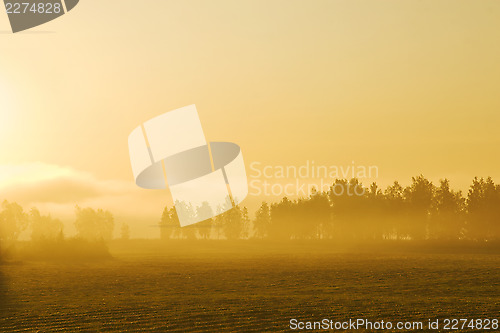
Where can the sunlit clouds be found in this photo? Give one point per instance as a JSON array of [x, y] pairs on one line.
[[57, 190]]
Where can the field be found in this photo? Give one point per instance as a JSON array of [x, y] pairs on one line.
[[206, 290]]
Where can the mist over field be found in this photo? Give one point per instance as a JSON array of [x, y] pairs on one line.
[[329, 161], [206, 287], [413, 254]]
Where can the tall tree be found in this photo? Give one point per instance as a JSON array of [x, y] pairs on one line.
[[483, 206], [186, 212], [13, 221], [93, 224], [125, 231], [395, 212], [233, 223], [448, 214], [420, 196], [168, 224], [204, 212], [44, 227], [262, 221], [282, 215], [348, 202]]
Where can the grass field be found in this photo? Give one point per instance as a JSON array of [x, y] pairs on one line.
[[209, 290]]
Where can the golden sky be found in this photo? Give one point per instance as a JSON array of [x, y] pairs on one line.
[[409, 86]]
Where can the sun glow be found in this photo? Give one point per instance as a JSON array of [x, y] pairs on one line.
[[5, 109]]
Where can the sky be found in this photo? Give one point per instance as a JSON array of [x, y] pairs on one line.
[[408, 86]]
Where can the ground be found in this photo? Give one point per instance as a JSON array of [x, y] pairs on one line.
[[205, 290]]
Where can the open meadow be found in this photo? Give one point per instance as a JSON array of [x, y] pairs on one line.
[[207, 289]]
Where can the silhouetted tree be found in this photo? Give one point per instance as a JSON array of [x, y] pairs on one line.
[[448, 214], [282, 216], [44, 227], [233, 223], [220, 221], [420, 196], [217, 225], [169, 224], [347, 206], [125, 231], [396, 212], [187, 213], [13, 221], [376, 224], [247, 224], [204, 227], [315, 216], [262, 221], [93, 224], [483, 207]]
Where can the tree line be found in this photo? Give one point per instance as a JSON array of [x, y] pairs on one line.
[[347, 211], [351, 211], [91, 224]]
